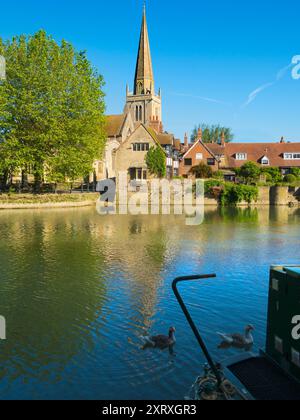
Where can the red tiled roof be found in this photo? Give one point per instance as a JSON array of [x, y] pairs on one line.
[[255, 152]]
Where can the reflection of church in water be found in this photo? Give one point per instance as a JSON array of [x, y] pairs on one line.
[[133, 133]]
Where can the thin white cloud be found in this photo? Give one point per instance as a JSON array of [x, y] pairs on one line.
[[280, 75], [252, 96], [202, 98]]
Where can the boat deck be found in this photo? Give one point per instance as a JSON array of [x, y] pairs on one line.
[[265, 381]]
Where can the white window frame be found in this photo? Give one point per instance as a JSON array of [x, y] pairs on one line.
[[199, 156], [241, 156], [291, 156], [265, 161]]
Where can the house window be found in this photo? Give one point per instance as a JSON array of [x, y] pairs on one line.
[[140, 147], [188, 162], [211, 161], [265, 161], [292, 156], [199, 156], [241, 156], [137, 174]]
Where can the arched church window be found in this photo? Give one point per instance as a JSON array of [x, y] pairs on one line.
[[141, 114], [136, 113]]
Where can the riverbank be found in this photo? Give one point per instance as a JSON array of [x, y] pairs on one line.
[[267, 196], [31, 201]]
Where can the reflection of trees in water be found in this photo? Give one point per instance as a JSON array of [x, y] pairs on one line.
[[141, 247], [52, 292], [55, 265], [255, 215], [230, 214]]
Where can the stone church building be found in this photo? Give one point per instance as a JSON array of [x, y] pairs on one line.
[[133, 133]]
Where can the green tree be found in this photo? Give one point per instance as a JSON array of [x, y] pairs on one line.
[[202, 171], [249, 172], [274, 173], [212, 133], [234, 194], [296, 172], [156, 161], [54, 112], [290, 179]]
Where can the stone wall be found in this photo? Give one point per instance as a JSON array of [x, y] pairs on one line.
[[270, 196]]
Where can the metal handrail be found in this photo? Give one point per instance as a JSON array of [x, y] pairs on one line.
[[191, 322]]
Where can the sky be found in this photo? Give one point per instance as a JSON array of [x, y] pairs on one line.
[[217, 62]]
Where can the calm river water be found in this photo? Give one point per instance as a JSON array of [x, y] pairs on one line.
[[78, 290]]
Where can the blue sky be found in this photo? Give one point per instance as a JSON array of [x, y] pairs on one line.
[[208, 56]]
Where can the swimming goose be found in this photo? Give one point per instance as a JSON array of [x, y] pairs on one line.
[[238, 339], [161, 341]]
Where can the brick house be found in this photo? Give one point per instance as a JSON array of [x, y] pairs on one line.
[[196, 154], [229, 156], [282, 155]]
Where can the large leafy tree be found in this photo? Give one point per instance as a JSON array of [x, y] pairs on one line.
[[212, 133], [54, 108]]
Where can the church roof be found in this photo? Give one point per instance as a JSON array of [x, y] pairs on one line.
[[114, 124], [165, 139], [144, 70]]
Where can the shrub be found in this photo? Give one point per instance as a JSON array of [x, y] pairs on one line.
[[249, 172], [218, 175], [234, 194], [210, 184], [202, 171], [290, 179], [273, 174], [296, 172]]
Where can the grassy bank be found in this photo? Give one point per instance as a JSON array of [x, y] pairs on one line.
[[46, 200]]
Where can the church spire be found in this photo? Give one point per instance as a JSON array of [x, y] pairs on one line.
[[144, 80]]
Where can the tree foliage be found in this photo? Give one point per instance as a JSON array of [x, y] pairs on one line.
[[249, 172], [233, 194], [202, 171], [156, 161], [212, 133], [51, 109], [273, 174]]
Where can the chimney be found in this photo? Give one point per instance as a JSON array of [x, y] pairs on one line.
[[199, 136], [186, 141], [282, 141], [223, 142]]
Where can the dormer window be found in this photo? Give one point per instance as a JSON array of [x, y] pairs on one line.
[[291, 156], [241, 156], [265, 161]]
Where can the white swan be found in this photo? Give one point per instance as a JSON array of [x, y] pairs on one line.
[[238, 339]]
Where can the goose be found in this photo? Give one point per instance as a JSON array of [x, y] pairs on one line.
[[161, 341], [238, 339]]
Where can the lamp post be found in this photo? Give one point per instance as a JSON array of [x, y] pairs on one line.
[[2, 68]]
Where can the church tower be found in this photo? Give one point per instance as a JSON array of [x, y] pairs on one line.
[[143, 104]]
